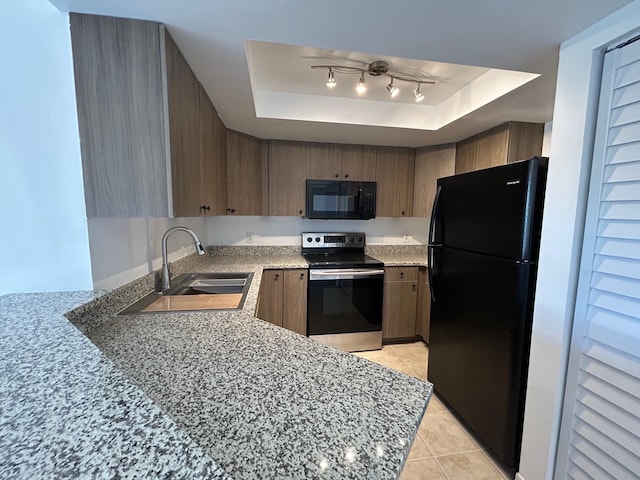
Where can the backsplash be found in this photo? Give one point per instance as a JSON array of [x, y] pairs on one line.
[[286, 231]]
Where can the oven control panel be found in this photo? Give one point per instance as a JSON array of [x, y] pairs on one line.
[[333, 240]]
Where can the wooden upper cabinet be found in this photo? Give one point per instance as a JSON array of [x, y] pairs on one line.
[[394, 174], [359, 163], [525, 141], [214, 159], [431, 163], [327, 161], [117, 67], [287, 175], [507, 143], [323, 161], [246, 174], [183, 95], [143, 120]]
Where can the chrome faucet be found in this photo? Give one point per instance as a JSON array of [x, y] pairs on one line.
[[165, 276]]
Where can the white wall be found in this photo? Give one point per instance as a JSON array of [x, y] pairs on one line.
[[546, 139], [569, 167], [44, 244], [123, 249], [233, 230]]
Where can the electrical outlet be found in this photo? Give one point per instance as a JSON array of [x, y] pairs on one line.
[[249, 238], [406, 237]]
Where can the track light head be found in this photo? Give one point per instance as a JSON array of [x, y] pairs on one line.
[[392, 89], [331, 82], [418, 95], [361, 88]]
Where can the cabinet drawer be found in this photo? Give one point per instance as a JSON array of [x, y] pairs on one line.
[[400, 274]]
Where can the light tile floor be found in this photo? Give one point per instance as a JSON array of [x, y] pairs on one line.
[[444, 448]]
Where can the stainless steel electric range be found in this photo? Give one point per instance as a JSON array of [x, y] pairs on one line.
[[344, 297]]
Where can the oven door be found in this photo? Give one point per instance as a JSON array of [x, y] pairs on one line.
[[344, 301]]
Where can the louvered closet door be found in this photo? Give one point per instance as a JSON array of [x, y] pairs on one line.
[[600, 432]]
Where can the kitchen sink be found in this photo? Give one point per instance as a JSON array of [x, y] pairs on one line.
[[196, 292]]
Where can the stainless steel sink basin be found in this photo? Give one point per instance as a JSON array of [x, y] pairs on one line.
[[196, 292]]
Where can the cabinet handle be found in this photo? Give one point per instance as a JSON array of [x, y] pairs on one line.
[[300, 212], [228, 210], [346, 175], [205, 207], [277, 275], [401, 274], [414, 288], [233, 210], [402, 212], [301, 276], [337, 175]]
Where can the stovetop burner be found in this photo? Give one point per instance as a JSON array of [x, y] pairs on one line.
[[341, 260], [337, 250]]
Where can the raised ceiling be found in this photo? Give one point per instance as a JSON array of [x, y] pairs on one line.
[[253, 59]]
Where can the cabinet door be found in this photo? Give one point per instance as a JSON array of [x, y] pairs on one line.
[[183, 95], [400, 302], [525, 141], [244, 174], [394, 174], [287, 174], [324, 161], [359, 163], [271, 296], [424, 306], [294, 309], [399, 311], [214, 159], [431, 164], [117, 66]]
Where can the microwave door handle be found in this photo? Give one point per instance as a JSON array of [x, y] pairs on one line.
[[359, 201]]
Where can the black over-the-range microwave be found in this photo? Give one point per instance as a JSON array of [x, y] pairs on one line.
[[337, 199]]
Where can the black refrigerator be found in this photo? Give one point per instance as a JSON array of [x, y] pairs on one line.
[[484, 239]]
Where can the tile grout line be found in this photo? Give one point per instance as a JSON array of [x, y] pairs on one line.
[[434, 457]]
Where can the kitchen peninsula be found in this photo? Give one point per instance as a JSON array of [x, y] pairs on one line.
[[191, 395]]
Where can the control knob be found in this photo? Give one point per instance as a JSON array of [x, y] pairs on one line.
[[309, 239], [317, 239]]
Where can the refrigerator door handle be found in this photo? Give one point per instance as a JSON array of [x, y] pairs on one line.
[[431, 244], [434, 213], [429, 271]]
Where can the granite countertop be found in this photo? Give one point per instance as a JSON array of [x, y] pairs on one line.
[[399, 255], [191, 395]]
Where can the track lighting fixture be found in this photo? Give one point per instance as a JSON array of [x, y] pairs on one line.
[[361, 88], [377, 69], [331, 82]]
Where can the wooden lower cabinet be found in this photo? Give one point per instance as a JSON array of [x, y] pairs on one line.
[[424, 305], [400, 302], [283, 299], [269, 306]]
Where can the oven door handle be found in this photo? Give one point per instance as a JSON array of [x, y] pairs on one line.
[[344, 273]]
